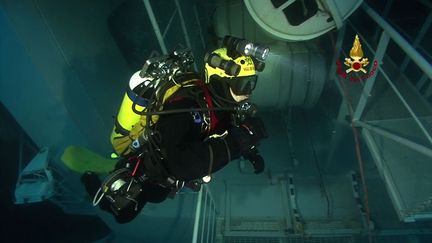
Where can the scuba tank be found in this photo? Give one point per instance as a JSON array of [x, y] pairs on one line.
[[145, 87], [126, 117]]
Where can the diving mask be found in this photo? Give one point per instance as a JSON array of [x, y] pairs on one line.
[[243, 85]]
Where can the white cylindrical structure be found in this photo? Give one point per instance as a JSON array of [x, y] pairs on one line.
[[294, 76], [295, 72], [291, 20]]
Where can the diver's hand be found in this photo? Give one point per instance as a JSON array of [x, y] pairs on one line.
[[91, 182], [245, 137], [256, 160], [241, 141], [255, 128]]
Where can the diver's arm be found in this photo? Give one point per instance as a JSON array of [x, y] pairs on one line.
[[188, 155]]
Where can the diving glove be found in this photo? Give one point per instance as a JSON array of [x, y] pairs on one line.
[[256, 160], [247, 135], [255, 128], [91, 182]]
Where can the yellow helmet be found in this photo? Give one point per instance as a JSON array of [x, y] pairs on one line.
[[239, 73]]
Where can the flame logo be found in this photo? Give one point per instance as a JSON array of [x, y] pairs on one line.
[[356, 62], [356, 50]]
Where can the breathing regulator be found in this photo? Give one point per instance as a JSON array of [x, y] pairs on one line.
[[167, 66]]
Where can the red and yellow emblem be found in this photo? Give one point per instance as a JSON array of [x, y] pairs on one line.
[[356, 62]]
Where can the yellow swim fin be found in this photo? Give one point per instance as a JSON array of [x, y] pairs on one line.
[[80, 160]]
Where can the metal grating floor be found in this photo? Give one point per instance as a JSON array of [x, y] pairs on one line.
[[345, 239], [248, 224], [240, 239]]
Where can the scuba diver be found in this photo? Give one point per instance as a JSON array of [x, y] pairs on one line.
[[174, 130]]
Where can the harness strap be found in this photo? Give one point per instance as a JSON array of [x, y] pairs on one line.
[[209, 101], [155, 169]]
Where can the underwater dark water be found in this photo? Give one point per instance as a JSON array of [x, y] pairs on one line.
[[39, 222], [45, 222]]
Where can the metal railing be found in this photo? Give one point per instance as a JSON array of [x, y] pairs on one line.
[[388, 33], [177, 17], [205, 217]]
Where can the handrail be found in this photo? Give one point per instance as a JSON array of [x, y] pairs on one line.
[[155, 26], [202, 212], [410, 144], [197, 218], [423, 64], [405, 103]]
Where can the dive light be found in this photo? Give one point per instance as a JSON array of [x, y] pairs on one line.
[[229, 66], [237, 46]]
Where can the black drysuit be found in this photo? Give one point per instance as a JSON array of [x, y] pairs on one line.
[[189, 152]]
